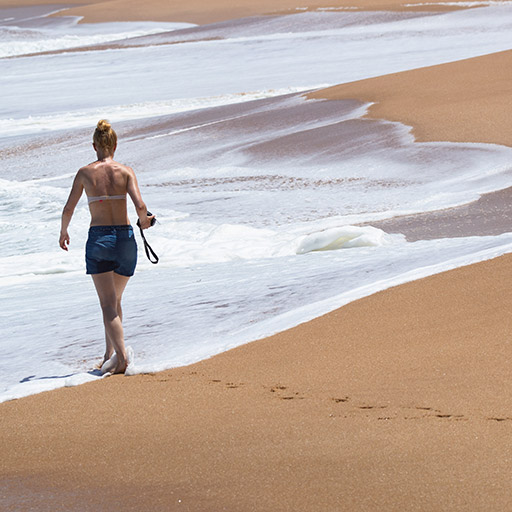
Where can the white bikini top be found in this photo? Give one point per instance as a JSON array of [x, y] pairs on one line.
[[91, 199]]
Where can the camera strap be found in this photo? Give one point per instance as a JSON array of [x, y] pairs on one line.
[[148, 248]]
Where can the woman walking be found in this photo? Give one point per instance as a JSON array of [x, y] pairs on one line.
[[111, 250]]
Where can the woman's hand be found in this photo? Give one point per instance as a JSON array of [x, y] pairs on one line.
[[64, 240], [145, 222]]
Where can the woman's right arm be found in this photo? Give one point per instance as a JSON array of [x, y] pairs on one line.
[[140, 206]]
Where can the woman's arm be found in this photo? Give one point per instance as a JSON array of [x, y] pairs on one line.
[[140, 206], [69, 208]]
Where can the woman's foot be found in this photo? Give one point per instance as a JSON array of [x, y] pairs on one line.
[[117, 364], [120, 367], [106, 357]]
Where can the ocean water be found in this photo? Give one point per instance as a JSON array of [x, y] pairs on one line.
[[258, 191]]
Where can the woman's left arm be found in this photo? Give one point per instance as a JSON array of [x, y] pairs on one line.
[[69, 208]]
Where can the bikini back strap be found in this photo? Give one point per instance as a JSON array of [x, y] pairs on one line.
[[92, 199]]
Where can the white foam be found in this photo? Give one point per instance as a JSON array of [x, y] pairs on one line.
[[343, 238], [182, 244], [187, 243], [72, 119], [16, 42]]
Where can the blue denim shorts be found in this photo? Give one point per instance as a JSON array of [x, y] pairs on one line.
[[111, 248]]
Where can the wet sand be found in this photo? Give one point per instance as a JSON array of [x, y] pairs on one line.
[[489, 216]]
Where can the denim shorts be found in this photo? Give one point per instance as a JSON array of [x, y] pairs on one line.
[[111, 248]]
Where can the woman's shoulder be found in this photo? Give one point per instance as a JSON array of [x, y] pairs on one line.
[[118, 166], [83, 173], [124, 170], [87, 168]]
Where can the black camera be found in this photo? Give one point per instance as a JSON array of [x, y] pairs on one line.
[[153, 220]]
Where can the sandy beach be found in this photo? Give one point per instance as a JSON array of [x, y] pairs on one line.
[[398, 401]]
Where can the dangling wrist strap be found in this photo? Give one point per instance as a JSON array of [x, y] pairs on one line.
[[148, 249]]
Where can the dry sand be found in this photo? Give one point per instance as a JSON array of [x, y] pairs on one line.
[[206, 11], [399, 401], [463, 101]]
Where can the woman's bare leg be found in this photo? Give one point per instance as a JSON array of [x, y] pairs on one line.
[[120, 283], [109, 350], [107, 286]]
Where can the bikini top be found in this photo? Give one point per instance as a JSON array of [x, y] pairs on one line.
[[92, 199]]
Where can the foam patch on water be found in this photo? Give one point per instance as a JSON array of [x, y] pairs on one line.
[[200, 245], [344, 237]]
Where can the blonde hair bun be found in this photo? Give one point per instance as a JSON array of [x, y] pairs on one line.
[[103, 125], [104, 136]]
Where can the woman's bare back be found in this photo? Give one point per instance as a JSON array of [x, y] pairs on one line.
[[104, 179]]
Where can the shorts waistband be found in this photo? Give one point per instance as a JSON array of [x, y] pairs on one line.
[[122, 227]]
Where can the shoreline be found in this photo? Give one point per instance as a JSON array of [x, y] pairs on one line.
[[488, 216]]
